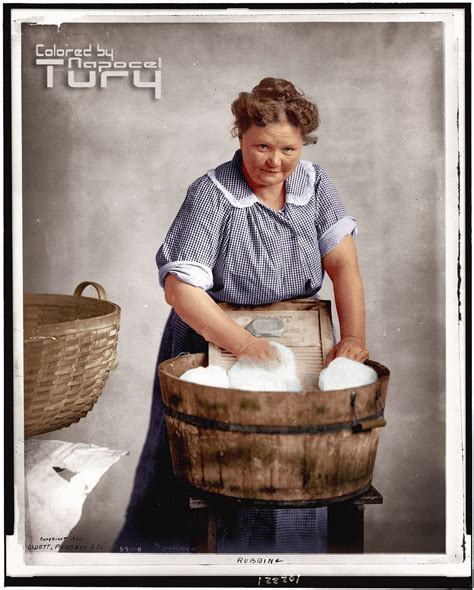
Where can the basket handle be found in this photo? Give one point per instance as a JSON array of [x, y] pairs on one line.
[[101, 294]]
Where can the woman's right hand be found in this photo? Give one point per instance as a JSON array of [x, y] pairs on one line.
[[258, 350], [197, 309]]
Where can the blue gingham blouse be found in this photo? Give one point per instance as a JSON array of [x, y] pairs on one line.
[[229, 243]]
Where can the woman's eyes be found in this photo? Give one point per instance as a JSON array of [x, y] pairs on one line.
[[264, 147]]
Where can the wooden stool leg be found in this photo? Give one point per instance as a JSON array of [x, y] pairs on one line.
[[211, 530], [199, 526], [345, 528], [204, 529]]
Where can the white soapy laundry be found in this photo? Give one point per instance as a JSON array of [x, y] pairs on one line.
[[211, 375], [270, 376], [342, 373]]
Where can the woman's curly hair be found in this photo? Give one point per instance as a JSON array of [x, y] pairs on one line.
[[271, 98]]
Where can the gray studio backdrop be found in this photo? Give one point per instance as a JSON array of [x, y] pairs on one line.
[[106, 169]]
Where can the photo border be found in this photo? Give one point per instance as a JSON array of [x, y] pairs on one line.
[[455, 562]]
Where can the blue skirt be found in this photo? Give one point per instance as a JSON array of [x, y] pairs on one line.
[[158, 515]]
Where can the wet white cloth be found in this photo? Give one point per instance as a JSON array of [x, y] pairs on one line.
[[342, 373], [247, 375], [59, 476], [271, 376], [211, 375]]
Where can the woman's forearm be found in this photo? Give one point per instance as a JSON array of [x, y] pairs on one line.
[[349, 296], [342, 266], [195, 307], [343, 269]]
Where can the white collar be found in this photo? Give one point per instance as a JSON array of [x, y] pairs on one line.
[[230, 180]]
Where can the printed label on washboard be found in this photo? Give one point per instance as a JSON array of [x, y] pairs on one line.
[[300, 330]]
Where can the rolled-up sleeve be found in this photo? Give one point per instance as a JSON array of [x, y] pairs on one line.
[[192, 243], [332, 222]]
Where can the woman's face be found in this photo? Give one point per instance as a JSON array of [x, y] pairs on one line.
[[271, 153]]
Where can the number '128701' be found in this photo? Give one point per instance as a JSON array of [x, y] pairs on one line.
[[276, 580]]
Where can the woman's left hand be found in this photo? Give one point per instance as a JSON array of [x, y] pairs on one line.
[[350, 347]]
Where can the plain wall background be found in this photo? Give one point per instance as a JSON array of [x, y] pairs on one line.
[[105, 171]]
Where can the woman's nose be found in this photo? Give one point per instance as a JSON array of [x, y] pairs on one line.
[[274, 160]]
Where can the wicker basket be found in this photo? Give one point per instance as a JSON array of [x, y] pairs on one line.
[[70, 345]]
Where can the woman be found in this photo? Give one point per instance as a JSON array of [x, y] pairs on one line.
[[261, 228]]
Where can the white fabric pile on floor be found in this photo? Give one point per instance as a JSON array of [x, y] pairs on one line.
[[59, 476], [245, 374], [342, 373]]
